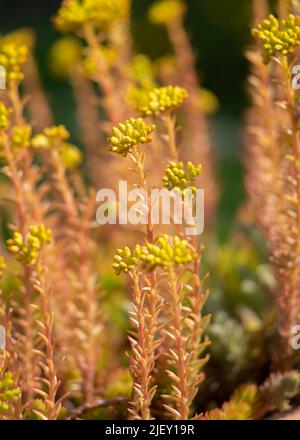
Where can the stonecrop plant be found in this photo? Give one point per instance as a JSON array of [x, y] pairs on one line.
[[145, 321]]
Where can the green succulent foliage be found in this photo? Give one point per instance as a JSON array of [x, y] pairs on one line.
[[242, 310], [121, 385], [279, 389], [250, 401], [229, 342], [242, 405], [239, 277]]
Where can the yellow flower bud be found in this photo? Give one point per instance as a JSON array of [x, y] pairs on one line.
[[279, 38], [166, 252], [161, 100], [21, 136], [12, 57], [20, 37], [208, 102], [125, 260], [40, 141], [56, 133], [9, 392], [64, 54], [70, 156], [165, 11], [27, 250], [2, 266], [74, 14], [4, 116], [129, 134], [179, 178]]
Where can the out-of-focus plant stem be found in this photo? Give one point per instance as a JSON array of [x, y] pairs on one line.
[[104, 78]]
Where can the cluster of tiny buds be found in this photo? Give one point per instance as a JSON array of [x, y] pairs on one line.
[[279, 38], [12, 57], [70, 155], [74, 14], [27, 250], [178, 178], [166, 252], [2, 266], [21, 136], [161, 100], [125, 259], [129, 134], [55, 137], [53, 134], [4, 116], [9, 392]]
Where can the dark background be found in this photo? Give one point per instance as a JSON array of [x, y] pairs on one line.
[[220, 33]]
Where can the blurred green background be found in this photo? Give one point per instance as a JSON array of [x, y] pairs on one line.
[[220, 33]]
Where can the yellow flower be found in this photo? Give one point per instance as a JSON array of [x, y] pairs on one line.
[[142, 71], [165, 11], [9, 392], [129, 134], [178, 178], [4, 116], [40, 141], [208, 102], [41, 233], [21, 136], [55, 138], [27, 250], [57, 132], [74, 14], [166, 252], [70, 156], [125, 259], [51, 137], [2, 266], [279, 38], [12, 57], [161, 100], [20, 37], [64, 54]]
